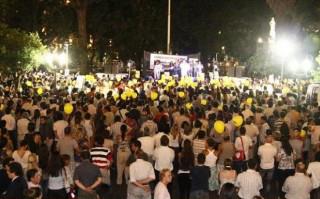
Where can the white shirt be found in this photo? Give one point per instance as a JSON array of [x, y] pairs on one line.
[[22, 160], [140, 170], [10, 122], [267, 153], [22, 126], [247, 143], [161, 191], [147, 144], [115, 130], [163, 157], [249, 183], [59, 127], [247, 113], [314, 171], [298, 186], [157, 138]]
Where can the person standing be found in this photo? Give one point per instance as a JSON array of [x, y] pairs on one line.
[[200, 175], [10, 126], [161, 190], [163, 156], [249, 182], [267, 153], [102, 157], [242, 144], [314, 171], [157, 70], [18, 183], [141, 174], [87, 177], [298, 186]]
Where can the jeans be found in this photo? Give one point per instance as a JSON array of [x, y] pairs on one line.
[[267, 176], [184, 182], [199, 194]]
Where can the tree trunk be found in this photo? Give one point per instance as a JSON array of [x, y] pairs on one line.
[[81, 10]]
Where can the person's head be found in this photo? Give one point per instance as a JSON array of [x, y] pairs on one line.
[[32, 161], [87, 116], [165, 176], [31, 127], [23, 145], [201, 158], [66, 159], [228, 164], [14, 170], [32, 193], [135, 145], [99, 140], [164, 140], [117, 118], [228, 191], [226, 138], [300, 166], [67, 131], [269, 139], [252, 164], [37, 138], [201, 134], [34, 176], [85, 155], [6, 162], [242, 130], [210, 143]]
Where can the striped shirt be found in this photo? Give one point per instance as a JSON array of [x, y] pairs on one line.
[[198, 146], [101, 157]]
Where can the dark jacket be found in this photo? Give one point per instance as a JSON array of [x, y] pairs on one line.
[[16, 188]]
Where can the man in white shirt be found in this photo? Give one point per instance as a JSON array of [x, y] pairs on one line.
[[147, 144], [298, 186], [22, 126], [10, 126], [141, 174], [163, 156], [115, 128], [263, 130], [157, 70], [314, 171], [267, 153], [181, 118], [249, 182], [59, 126]]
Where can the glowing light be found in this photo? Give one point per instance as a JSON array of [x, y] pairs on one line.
[[260, 40], [307, 64], [285, 47]]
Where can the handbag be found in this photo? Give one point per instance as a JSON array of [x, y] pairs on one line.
[[240, 154], [71, 192]]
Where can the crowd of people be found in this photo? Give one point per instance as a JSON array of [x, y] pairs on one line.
[[162, 140]]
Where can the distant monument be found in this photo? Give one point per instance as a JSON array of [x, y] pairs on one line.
[[272, 34]]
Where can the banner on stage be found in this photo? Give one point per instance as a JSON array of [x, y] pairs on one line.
[[165, 59]]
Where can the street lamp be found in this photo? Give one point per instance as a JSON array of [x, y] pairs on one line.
[[260, 40]]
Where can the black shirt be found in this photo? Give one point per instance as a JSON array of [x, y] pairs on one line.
[[200, 176]]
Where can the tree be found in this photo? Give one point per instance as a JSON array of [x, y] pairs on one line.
[[19, 51]]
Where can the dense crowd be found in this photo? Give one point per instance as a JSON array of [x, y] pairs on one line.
[[172, 138]]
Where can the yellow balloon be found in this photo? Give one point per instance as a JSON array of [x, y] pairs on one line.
[[303, 133], [219, 126], [204, 102], [68, 108], [237, 120], [154, 95], [115, 96], [29, 83], [124, 96], [40, 91], [181, 94], [249, 101], [189, 106], [134, 95]]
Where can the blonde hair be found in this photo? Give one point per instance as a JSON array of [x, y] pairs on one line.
[[163, 173], [32, 161]]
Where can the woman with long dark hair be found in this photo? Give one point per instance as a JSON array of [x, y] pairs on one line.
[[186, 163], [286, 165], [56, 188]]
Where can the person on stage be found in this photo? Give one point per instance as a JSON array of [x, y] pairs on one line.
[[185, 68], [198, 68], [157, 70]]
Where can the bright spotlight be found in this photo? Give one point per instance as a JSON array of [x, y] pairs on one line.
[[293, 65], [260, 40], [48, 58], [307, 64], [61, 58], [284, 47]]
